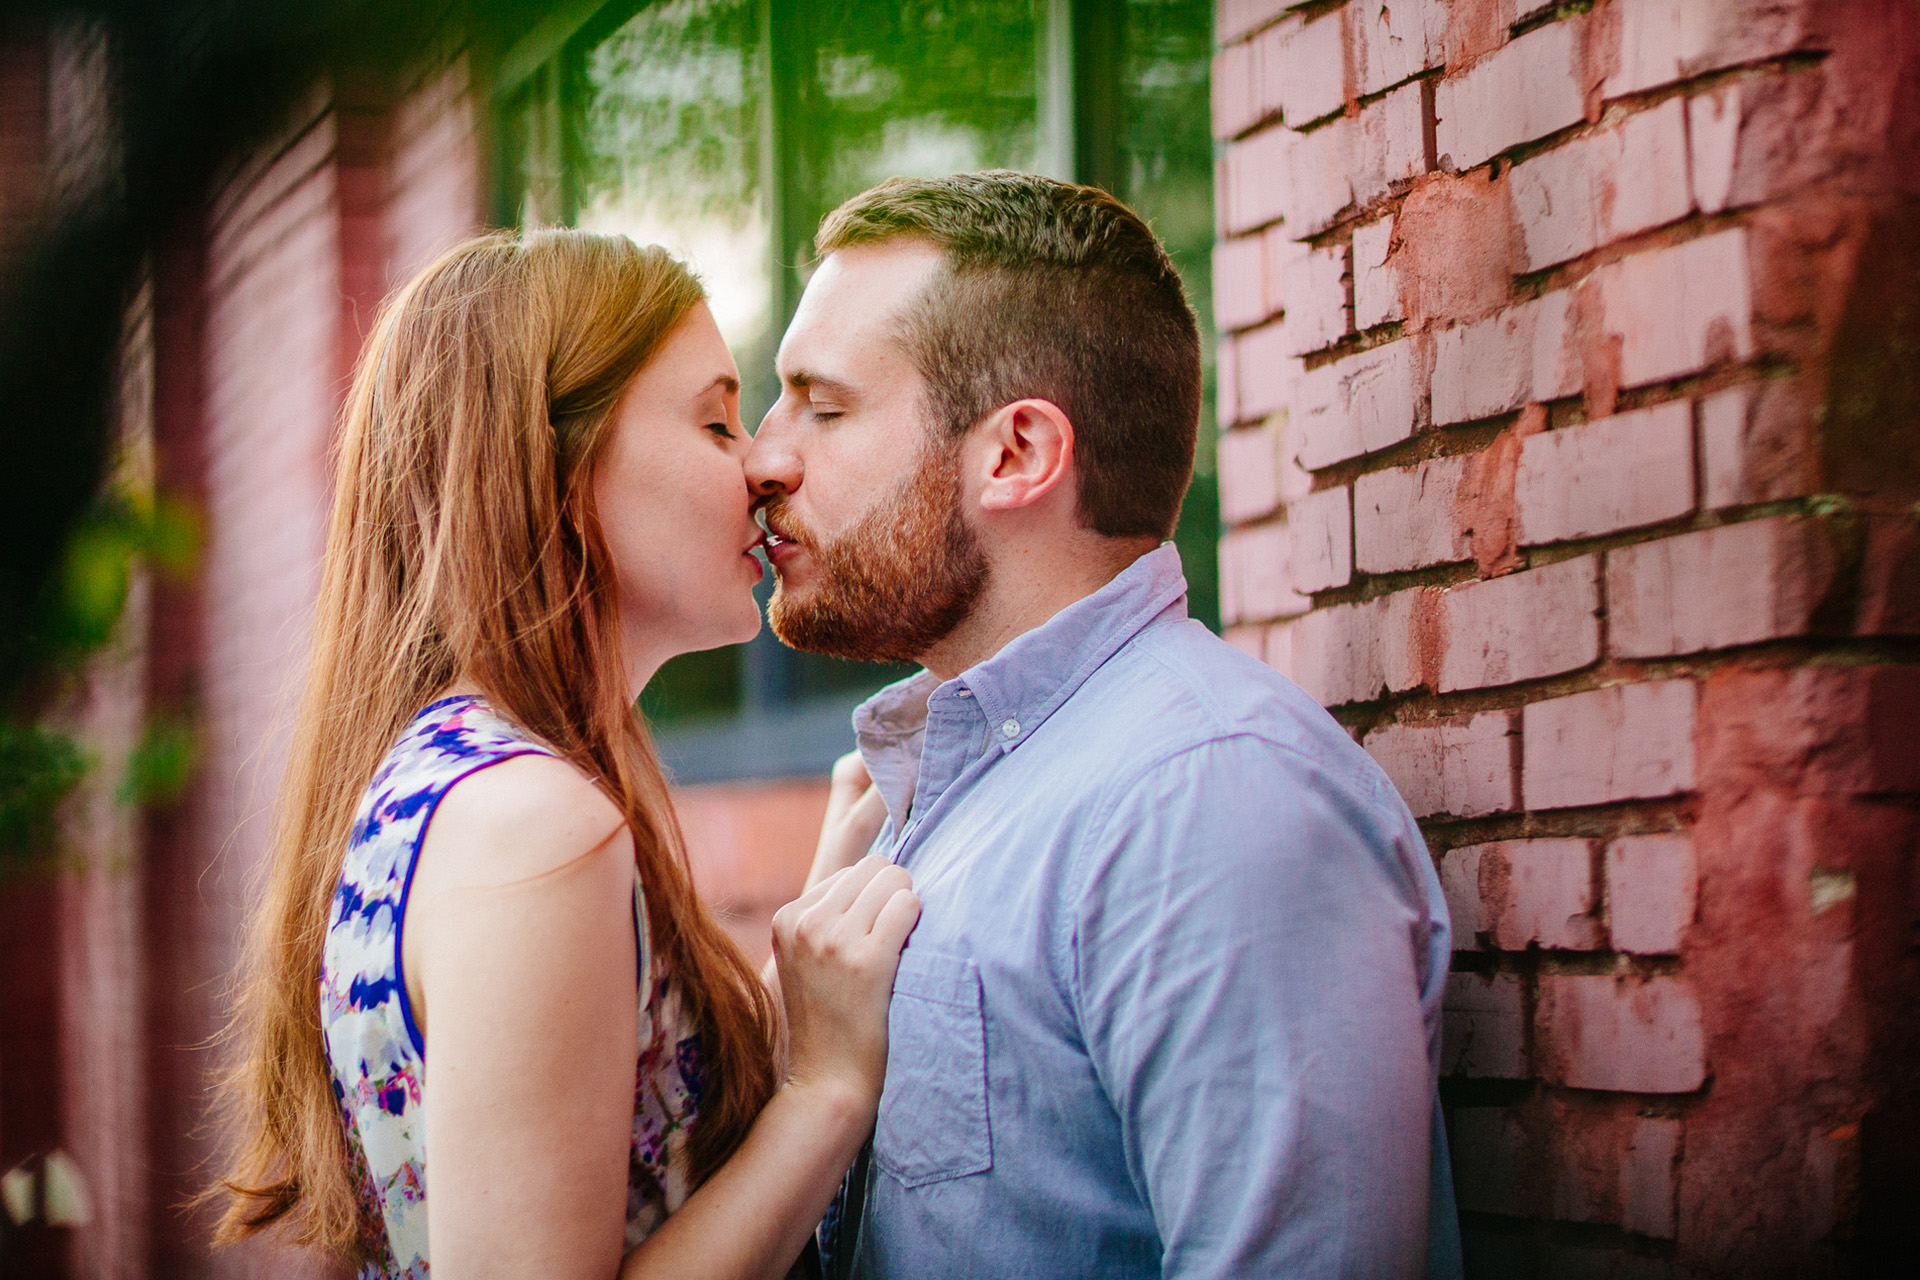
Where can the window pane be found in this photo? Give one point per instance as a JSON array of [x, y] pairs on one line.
[[1166, 168], [670, 152], [923, 88], [669, 140], [674, 139]]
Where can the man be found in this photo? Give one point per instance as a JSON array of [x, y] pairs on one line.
[[1172, 1007]]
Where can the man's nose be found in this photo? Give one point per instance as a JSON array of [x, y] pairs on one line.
[[773, 464]]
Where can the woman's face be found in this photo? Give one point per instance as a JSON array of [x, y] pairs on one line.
[[671, 492]]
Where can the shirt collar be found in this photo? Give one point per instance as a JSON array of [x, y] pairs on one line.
[[1017, 688]]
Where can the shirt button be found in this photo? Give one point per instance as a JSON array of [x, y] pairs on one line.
[[966, 693], [1010, 727]]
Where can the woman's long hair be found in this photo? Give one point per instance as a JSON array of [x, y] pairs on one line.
[[464, 543]]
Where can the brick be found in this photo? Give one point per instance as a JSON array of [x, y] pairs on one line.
[[1620, 472], [1524, 354], [1723, 430], [1234, 102], [1488, 1145], [1321, 531], [1713, 145], [1240, 283], [1226, 382], [1679, 310], [1462, 765], [1280, 250], [1665, 41], [1353, 159], [1335, 653], [1625, 742], [1315, 293], [1483, 1026], [1526, 90], [1356, 405], [1255, 584], [1522, 626], [1278, 650], [1302, 70], [1295, 481], [1395, 40], [1258, 178], [1650, 892], [1611, 1167], [1597, 1031], [1222, 194], [1520, 893], [1265, 371], [1251, 641], [1376, 281], [1350, 652], [1597, 189], [1410, 517], [1652, 1151], [1249, 469], [1814, 730], [1318, 181], [1732, 585], [1890, 578], [1390, 137], [1382, 394], [1234, 19]]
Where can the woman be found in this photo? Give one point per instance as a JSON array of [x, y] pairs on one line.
[[540, 499]]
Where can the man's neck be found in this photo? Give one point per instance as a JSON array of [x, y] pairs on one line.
[[1025, 588]]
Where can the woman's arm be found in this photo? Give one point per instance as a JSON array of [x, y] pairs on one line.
[[520, 957], [519, 952], [837, 948]]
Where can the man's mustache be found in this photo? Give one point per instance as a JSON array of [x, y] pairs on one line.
[[775, 515]]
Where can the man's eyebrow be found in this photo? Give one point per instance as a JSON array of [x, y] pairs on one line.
[[807, 380]]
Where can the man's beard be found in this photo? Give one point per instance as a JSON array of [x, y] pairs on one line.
[[895, 584]]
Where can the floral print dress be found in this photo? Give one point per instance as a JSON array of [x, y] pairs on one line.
[[374, 1046]]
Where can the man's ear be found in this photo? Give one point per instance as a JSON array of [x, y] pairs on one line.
[[1025, 453]]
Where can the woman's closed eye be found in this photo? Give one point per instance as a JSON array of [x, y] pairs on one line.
[[721, 430]]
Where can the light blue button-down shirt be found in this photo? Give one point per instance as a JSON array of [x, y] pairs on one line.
[[1173, 1004]]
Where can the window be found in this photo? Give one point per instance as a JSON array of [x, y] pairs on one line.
[[725, 129]]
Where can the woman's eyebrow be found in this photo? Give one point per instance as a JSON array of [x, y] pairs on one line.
[[726, 382]]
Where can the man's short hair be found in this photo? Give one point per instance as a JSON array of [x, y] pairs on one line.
[[1055, 292]]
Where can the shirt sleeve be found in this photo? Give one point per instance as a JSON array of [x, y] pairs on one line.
[[1248, 970]]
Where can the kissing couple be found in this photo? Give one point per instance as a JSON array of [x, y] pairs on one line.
[[1118, 957]]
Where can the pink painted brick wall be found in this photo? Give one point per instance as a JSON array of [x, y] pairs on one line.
[[1587, 311]]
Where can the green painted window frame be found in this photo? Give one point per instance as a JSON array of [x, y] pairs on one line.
[[538, 83]]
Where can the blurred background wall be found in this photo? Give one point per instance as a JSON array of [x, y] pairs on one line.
[[1568, 453]]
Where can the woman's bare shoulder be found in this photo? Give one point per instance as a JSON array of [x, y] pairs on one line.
[[523, 818]]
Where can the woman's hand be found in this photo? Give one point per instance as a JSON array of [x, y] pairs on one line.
[[855, 814], [837, 947]]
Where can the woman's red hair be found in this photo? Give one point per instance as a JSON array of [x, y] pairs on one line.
[[464, 544]]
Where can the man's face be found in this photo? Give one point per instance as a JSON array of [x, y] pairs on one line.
[[864, 505]]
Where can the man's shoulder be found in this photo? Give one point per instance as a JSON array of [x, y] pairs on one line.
[[1179, 687]]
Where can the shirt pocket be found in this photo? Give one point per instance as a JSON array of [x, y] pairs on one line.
[[933, 1113]]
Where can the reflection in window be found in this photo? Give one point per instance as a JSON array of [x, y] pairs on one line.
[[670, 152]]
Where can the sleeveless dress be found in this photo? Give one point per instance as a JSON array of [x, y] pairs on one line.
[[374, 1047]]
